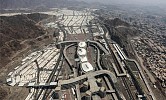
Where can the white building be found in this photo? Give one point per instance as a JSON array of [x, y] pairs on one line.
[[86, 67]]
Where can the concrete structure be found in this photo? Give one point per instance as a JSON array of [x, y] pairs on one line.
[[99, 82], [86, 67], [82, 45], [85, 86], [102, 92], [79, 79], [84, 59], [50, 66], [81, 52]]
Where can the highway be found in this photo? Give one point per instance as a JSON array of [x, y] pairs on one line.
[[114, 95], [51, 77], [123, 57], [85, 76], [69, 67], [144, 79], [70, 44]]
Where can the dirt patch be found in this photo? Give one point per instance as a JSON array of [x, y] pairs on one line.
[[13, 93]]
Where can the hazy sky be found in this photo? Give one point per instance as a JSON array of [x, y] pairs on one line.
[[144, 2]]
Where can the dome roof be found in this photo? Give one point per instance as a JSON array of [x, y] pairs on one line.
[[82, 44]]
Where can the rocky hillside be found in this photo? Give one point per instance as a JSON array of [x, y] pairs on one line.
[[29, 3], [120, 32], [39, 4], [14, 30], [37, 17]]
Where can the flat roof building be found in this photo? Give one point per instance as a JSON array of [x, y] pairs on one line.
[[81, 52], [86, 67]]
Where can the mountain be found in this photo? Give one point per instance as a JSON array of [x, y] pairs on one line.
[[16, 29], [121, 32], [11, 4], [131, 2]]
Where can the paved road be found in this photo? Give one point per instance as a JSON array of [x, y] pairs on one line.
[[85, 76]]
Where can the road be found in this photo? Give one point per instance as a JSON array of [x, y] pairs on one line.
[[75, 27]]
